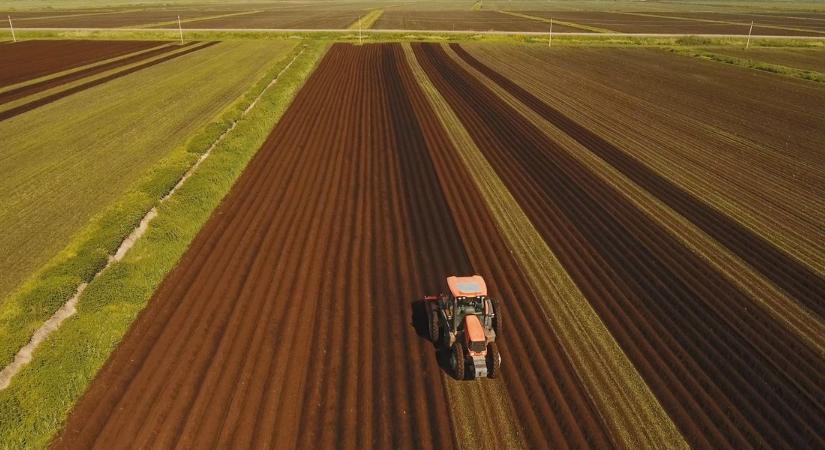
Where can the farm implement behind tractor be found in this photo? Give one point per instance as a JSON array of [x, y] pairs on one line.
[[466, 322]]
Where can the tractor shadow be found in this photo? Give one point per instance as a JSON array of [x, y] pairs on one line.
[[420, 323]]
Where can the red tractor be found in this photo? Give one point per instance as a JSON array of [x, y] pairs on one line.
[[465, 323]]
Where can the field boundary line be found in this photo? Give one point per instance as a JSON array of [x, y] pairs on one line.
[[797, 319], [631, 411], [52, 76], [366, 21], [559, 22], [24, 355], [727, 22], [5, 107], [753, 64], [194, 19]]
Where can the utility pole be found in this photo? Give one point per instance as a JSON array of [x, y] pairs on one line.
[[360, 41], [550, 38], [748, 43], [180, 30], [13, 37]]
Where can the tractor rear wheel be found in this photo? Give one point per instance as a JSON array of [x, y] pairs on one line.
[[457, 361], [498, 318], [493, 360], [435, 327]]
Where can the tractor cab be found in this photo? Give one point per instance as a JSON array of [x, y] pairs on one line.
[[467, 296]]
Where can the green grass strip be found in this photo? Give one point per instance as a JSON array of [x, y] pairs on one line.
[[589, 40], [559, 22], [366, 21], [748, 63], [40, 397]]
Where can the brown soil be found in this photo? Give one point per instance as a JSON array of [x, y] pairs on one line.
[[797, 20], [30, 89], [394, 19], [629, 23], [798, 58], [712, 142], [297, 19], [193, 47], [728, 374], [32, 59], [294, 317], [117, 19]]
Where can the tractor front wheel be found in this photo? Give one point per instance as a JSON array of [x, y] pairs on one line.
[[435, 327], [493, 360], [457, 361]]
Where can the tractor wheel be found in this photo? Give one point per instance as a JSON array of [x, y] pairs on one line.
[[493, 360], [435, 327], [498, 318], [457, 361]]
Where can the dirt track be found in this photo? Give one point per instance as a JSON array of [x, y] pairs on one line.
[[31, 59], [721, 367], [293, 317]]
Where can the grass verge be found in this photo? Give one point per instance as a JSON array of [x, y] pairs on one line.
[[41, 396], [67, 161], [749, 63], [565, 39]]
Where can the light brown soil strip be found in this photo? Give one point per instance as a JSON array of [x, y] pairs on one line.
[[68, 309], [625, 401], [764, 293]]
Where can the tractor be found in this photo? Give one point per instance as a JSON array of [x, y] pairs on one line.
[[465, 323]]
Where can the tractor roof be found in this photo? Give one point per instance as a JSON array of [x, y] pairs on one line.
[[467, 286]]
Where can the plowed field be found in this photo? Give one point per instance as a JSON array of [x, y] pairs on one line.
[[719, 365], [293, 316], [678, 23], [397, 19], [290, 18], [31, 59]]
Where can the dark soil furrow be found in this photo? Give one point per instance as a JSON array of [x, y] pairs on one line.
[[65, 93], [27, 60], [558, 193], [785, 271]]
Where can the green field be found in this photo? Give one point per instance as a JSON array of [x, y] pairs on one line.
[[34, 406], [65, 161]]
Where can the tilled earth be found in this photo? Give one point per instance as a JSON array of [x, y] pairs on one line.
[[294, 317]]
